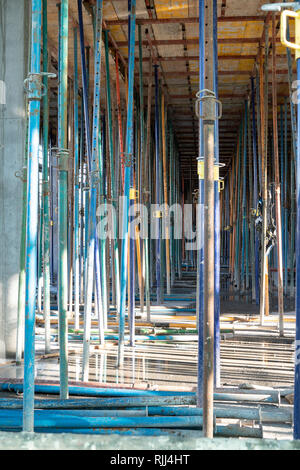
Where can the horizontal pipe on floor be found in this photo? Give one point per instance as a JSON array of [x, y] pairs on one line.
[[79, 413], [233, 412], [99, 403], [140, 337], [95, 392], [182, 433], [264, 415], [220, 431], [269, 396], [56, 421], [238, 431]]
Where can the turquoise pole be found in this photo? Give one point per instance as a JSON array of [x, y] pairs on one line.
[[33, 84]]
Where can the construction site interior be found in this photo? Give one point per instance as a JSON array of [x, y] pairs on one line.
[[149, 224]]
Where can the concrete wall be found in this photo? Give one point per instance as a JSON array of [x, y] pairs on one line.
[[14, 21]]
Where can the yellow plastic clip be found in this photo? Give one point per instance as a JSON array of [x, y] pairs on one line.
[[221, 185], [133, 194], [284, 23], [157, 214], [201, 169], [216, 173]]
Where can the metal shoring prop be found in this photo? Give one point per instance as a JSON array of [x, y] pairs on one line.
[[115, 245], [129, 151], [119, 120], [286, 211], [131, 232], [263, 82], [22, 274], [217, 354], [166, 214], [157, 214], [237, 269], [92, 266], [200, 217], [45, 188], [277, 185], [244, 261], [147, 183], [255, 191], [34, 96], [63, 158], [76, 184], [140, 242], [295, 14], [209, 114], [292, 167]]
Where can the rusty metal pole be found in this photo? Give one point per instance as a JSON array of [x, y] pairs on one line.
[[277, 181], [209, 110]]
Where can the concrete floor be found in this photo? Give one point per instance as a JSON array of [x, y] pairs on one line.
[[251, 355]]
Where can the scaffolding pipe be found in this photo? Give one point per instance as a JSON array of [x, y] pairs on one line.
[[45, 187], [217, 339], [63, 157], [209, 231], [76, 184], [297, 339], [93, 149], [34, 96], [277, 183], [157, 190], [200, 214], [128, 161], [114, 242]]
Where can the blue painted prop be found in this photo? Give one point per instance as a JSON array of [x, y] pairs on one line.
[[200, 215], [128, 161], [34, 97]]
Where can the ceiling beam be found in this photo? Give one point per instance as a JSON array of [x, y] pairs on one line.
[[221, 72], [220, 57], [191, 20], [195, 41]]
